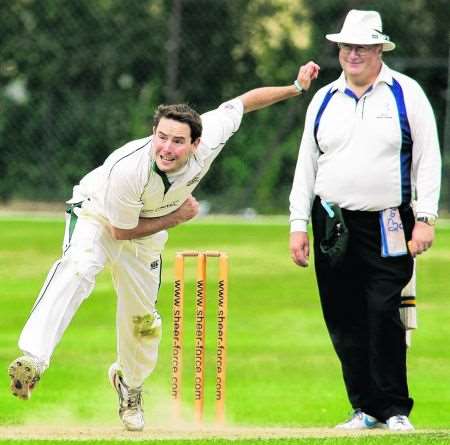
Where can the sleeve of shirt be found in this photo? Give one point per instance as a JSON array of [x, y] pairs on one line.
[[302, 192], [123, 197], [426, 156], [220, 124]]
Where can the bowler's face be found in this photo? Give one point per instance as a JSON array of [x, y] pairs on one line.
[[172, 145], [360, 63]]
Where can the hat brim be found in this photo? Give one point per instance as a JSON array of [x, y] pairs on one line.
[[360, 40]]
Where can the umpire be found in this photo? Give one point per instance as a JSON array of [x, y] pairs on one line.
[[369, 148]]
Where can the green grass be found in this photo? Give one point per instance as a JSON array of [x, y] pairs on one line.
[[425, 439], [282, 369]]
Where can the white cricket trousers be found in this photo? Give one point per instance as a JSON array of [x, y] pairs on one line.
[[136, 272]]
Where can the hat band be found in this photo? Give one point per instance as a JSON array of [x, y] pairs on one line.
[[369, 37]]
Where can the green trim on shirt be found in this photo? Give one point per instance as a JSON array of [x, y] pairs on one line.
[[73, 216], [163, 177]]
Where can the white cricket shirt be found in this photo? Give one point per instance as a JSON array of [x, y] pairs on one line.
[[370, 153], [128, 186]]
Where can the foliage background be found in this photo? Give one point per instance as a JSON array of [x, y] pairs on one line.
[[80, 78]]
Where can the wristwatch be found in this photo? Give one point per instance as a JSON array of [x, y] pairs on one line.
[[430, 220], [298, 87]]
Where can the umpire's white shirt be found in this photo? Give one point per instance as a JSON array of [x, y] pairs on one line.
[[361, 140], [128, 186]]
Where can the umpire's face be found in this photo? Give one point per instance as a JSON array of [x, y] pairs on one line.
[[360, 63], [172, 145]]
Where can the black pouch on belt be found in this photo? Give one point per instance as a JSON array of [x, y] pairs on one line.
[[335, 240]]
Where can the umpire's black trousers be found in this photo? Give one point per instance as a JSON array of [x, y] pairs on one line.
[[360, 302]]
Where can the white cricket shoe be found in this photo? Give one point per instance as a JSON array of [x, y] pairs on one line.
[[25, 372], [130, 400], [399, 423], [360, 421]]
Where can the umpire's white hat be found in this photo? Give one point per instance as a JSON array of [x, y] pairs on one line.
[[362, 28]]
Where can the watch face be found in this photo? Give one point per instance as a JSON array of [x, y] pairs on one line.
[[427, 220]]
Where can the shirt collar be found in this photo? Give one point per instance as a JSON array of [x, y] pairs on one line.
[[181, 177], [385, 75]]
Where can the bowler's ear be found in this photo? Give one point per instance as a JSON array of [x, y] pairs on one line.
[[195, 143]]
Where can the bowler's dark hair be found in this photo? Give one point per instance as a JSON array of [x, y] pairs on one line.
[[181, 113]]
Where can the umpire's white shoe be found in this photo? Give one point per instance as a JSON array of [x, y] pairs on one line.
[[25, 373], [360, 421], [130, 400], [399, 423]]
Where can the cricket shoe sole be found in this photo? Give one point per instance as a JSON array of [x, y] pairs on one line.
[[25, 374]]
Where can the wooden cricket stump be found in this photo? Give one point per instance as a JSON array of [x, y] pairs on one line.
[[200, 333]]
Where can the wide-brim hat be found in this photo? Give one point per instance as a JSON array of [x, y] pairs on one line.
[[362, 28]]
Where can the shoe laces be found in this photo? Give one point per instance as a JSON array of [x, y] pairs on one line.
[[357, 413], [130, 398], [134, 398], [400, 419]]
